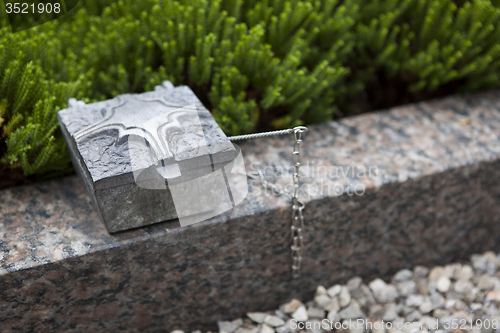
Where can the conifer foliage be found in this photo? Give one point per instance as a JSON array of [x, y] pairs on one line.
[[274, 63]]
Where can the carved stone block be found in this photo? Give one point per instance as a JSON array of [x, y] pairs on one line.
[[134, 151]]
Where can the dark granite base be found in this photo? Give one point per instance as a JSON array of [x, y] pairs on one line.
[[61, 271]]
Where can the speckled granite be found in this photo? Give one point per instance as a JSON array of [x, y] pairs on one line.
[[433, 197]]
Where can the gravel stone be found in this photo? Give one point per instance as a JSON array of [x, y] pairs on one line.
[[463, 287], [357, 329], [368, 294], [377, 311], [474, 296], [395, 324], [326, 327], [390, 315], [315, 313], [465, 273], [406, 288], [291, 306], [437, 301], [452, 294], [344, 297], [250, 329], [429, 322], [422, 296], [441, 313], [266, 329], [405, 310], [333, 306], [486, 330], [314, 323], [496, 282], [322, 300], [449, 304], [413, 316], [394, 330], [420, 272], [353, 311], [414, 300], [452, 270], [492, 257], [462, 315], [383, 292], [485, 282], [491, 310], [479, 262], [436, 273], [281, 314], [460, 305], [432, 287], [229, 326], [422, 287], [274, 321], [413, 328], [443, 284], [320, 290], [378, 327], [285, 328], [257, 317], [300, 314], [425, 307], [238, 322], [391, 312], [403, 275], [334, 291], [354, 283], [363, 295], [333, 316], [493, 295]]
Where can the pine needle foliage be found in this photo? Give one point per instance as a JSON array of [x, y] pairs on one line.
[[254, 64]]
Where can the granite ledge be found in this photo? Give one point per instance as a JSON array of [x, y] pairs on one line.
[[437, 178], [55, 220]]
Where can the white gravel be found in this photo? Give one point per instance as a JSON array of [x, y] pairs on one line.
[[458, 298]]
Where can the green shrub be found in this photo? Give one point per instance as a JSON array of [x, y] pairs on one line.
[[254, 64], [30, 101]]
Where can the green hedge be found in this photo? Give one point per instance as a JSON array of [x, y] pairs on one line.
[[254, 64]]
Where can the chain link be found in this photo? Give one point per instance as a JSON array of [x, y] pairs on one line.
[[297, 207], [297, 225]]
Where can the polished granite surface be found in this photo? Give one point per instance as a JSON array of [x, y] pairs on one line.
[[426, 183]]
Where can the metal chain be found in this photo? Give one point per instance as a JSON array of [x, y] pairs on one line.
[[297, 225], [297, 206]]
